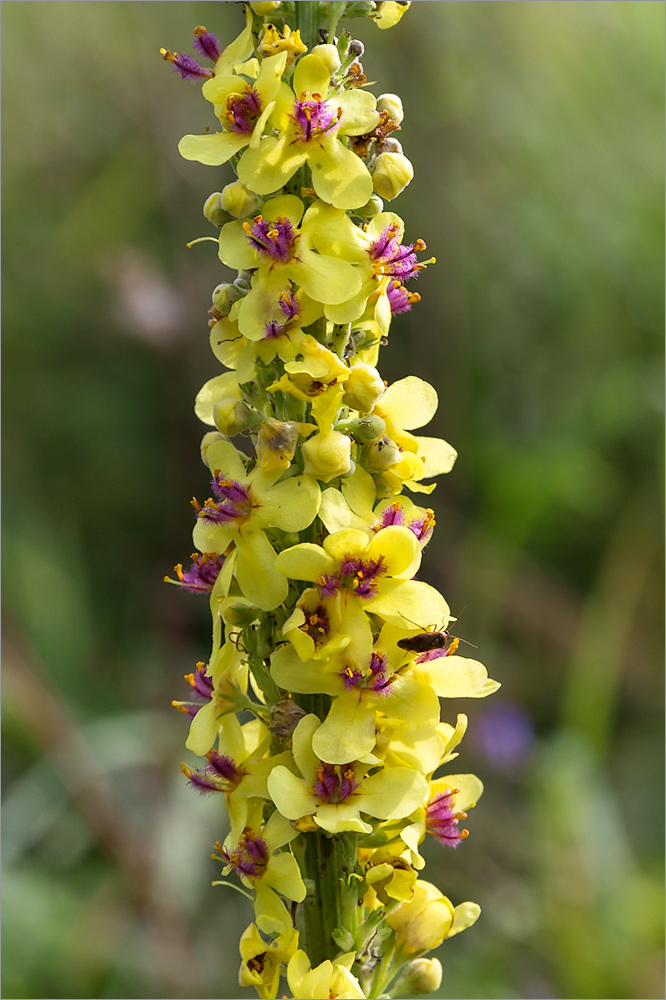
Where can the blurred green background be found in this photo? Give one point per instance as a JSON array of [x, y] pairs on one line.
[[536, 131]]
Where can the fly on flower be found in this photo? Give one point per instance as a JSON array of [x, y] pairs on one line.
[[432, 638]]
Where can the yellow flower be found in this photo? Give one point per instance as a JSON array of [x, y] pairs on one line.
[[254, 858], [309, 128], [363, 387], [313, 628], [335, 795], [360, 690], [238, 769], [243, 108], [440, 815], [378, 254], [329, 979], [407, 404], [261, 960], [244, 506], [274, 41], [390, 876], [274, 243], [227, 674], [428, 919]]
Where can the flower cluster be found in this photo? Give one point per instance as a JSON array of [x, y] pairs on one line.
[[317, 716]]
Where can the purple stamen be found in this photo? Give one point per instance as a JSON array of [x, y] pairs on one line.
[[225, 768], [423, 527], [390, 515], [273, 240], [328, 584], [201, 576], [313, 119], [376, 680], [234, 501], [434, 654], [200, 783], [395, 259], [202, 686], [187, 66], [316, 624], [335, 783], [242, 113], [290, 306], [250, 857], [400, 300], [207, 44], [442, 822]]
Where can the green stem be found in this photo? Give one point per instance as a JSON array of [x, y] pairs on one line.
[[306, 16], [327, 862], [382, 974]]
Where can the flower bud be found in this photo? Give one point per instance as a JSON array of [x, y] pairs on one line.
[[239, 615], [329, 55], [424, 922], [367, 428], [243, 280], [224, 296], [327, 455], [214, 211], [423, 975], [383, 454], [239, 201], [392, 104], [231, 416], [391, 175], [363, 388], [371, 208], [427, 975], [262, 7], [390, 145], [356, 47], [276, 444]]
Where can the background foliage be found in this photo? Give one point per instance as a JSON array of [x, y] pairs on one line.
[[536, 133]]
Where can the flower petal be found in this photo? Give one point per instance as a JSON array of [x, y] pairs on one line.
[[453, 676], [464, 915], [291, 795], [235, 249], [212, 149], [269, 166], [410, 602], [293, 504], [221, 387], [348, 732], [397, 546], [284, 875], [255, 571], [410, 402], [358, 111], [304, 562], [338, 175], [224, 456], [325, 279], [437, 455], [338, 819], [312, 76], [393, 792]]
